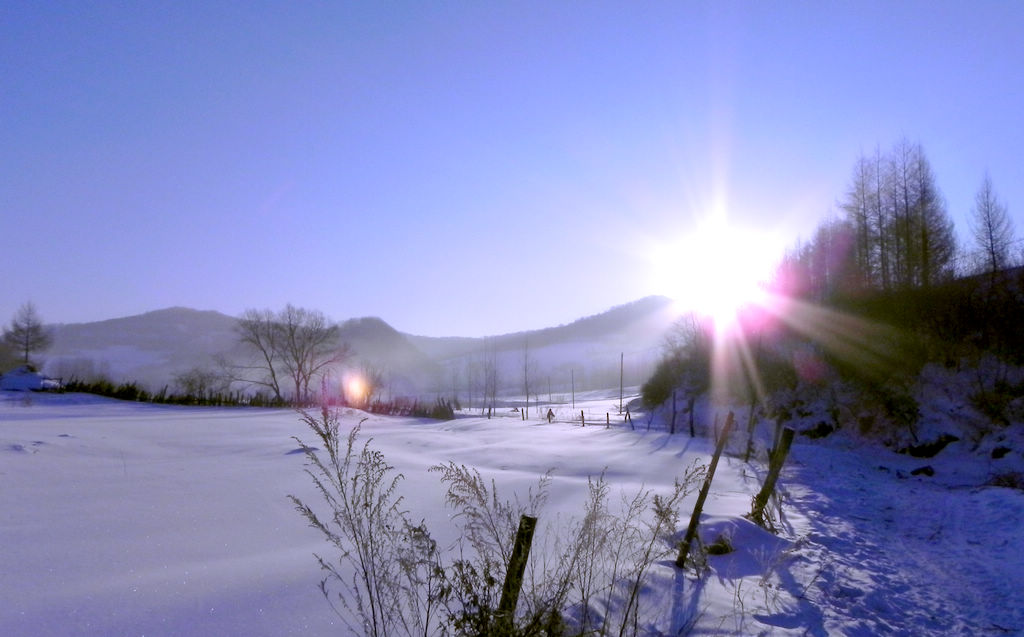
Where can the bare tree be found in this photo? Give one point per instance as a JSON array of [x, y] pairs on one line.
[[992, 228], [295, 343], [901, 197], [490, 374], [373, 381], [455, 376], [26, 333], [308, 346], [471, 371], [688, 347], [902, 235], [259, 334], [529, 375], [936, 240], [861, 207]]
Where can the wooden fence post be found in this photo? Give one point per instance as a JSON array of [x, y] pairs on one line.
[[778, 458], [514, 575], [672, 426], [607, 420], [692, 408], [583, 420], [691, 531]]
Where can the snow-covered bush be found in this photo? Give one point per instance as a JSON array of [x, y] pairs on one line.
[[396, 585]]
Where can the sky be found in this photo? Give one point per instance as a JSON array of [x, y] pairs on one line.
[[461, 168]]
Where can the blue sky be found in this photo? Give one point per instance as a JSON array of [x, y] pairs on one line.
[[462, 168]]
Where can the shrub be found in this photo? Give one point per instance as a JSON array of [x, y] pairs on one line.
[[659, 386], [397, 587], [888, 411], [999, 400], [390, 578], [901, 408]]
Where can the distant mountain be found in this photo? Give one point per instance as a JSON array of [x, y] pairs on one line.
[[148, 348], [632, 324], [586, 351], [151, 348]]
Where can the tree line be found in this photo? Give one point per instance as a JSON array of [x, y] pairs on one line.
[[895, 233]]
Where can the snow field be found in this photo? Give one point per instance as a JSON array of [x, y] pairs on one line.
[[122, 518]]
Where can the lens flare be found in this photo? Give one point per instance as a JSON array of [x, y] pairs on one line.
[[744, 358], [355, 389]]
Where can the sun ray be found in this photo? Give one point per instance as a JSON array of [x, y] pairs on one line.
[[828, 337], [734, 367], [865, 345]]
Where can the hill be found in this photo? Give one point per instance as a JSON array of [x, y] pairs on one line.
[[148, 348], [586, 351]]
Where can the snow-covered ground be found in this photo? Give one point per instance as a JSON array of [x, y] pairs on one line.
[[121, 518]]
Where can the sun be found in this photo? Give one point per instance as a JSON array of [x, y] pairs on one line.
[[716, 269]]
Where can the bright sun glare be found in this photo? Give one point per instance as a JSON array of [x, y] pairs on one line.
[[715, 270]]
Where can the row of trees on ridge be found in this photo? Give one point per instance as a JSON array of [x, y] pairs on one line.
[[896, 234]]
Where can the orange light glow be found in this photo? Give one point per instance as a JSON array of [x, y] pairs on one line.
[[355, 390]]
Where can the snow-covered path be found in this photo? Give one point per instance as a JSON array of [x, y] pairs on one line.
[[894, 554]]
